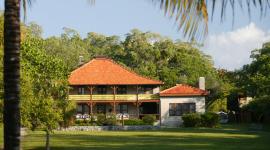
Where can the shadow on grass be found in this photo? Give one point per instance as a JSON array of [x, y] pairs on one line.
[[167, 139]]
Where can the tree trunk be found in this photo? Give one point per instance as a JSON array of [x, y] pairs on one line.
[[12, 39], [47, 140]]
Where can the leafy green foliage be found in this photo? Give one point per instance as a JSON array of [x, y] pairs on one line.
[[111, 120], [44, 86], [101, 119], [209, 119], [133, 122], [149, 119], [221, 88], [83, 122], [146, 53], [260, 107], [191, 120], [47, 62], [68, 111], [254, 79], [105, 120]]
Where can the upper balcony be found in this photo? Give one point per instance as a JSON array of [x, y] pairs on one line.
[[117, 97]]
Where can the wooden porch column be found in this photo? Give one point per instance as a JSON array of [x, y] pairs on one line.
[[137, 101], [114, 98], [91, 99]]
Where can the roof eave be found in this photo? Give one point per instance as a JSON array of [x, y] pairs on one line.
[[74, 84], [181, 95]]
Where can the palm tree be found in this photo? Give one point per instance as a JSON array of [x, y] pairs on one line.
[[12, 75]]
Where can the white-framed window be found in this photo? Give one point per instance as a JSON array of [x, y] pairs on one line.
[[178, 109]]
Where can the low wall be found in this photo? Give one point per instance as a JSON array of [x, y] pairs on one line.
[[109, 128]]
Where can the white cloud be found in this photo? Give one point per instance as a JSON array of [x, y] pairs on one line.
[[231, 50]]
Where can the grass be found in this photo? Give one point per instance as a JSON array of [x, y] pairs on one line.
[[224, 138]]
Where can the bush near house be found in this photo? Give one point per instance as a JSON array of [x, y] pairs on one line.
[[134, 122], [149, 119], [191, 120], [208, 119], [101, 119], [110, 120], [82, 122], [260, 109]]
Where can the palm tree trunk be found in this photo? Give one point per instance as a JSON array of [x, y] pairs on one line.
[[12, 75]]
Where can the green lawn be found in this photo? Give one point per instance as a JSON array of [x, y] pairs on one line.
[[224, 138]]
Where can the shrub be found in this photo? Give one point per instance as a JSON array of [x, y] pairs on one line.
[[191, 120], [149, 119], [209, 119], [110, 120], [134, 122], [101, 119], [81, 122], [259, 107]]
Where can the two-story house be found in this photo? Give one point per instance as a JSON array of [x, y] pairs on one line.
[[104, 86]]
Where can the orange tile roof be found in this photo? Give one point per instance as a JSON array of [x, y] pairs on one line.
[[183, 90], [104, 71]]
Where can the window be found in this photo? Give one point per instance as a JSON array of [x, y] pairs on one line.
[[102, 90], [82, 109], [122, 90], [122, 108], [178, 109], [81, 90], [79, 108], [147, 89]]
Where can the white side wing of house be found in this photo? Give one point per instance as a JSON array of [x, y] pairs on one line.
[[167, 120]]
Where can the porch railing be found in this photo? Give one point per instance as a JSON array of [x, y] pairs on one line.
[[124, 97]]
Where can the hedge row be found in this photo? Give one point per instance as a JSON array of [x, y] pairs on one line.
[[103, 120], [208, 119]]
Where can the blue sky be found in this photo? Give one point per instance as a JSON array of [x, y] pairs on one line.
[[118, 17]]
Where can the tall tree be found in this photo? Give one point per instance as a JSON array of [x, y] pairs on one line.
[[12, 39]]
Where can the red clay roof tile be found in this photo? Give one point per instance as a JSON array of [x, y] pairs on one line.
[[183, 90], [104, 71]]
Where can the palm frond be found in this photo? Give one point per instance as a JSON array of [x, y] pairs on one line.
[[91, 2], [249, 6], [26, 3], [190, 15]]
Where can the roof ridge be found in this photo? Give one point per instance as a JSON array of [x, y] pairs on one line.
[[186, 86], [82, 66], [168, 89], [120, 66], [195, 88], [131, 71]]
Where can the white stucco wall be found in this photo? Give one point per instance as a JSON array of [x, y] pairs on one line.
[[156, 90], [167, 120]]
